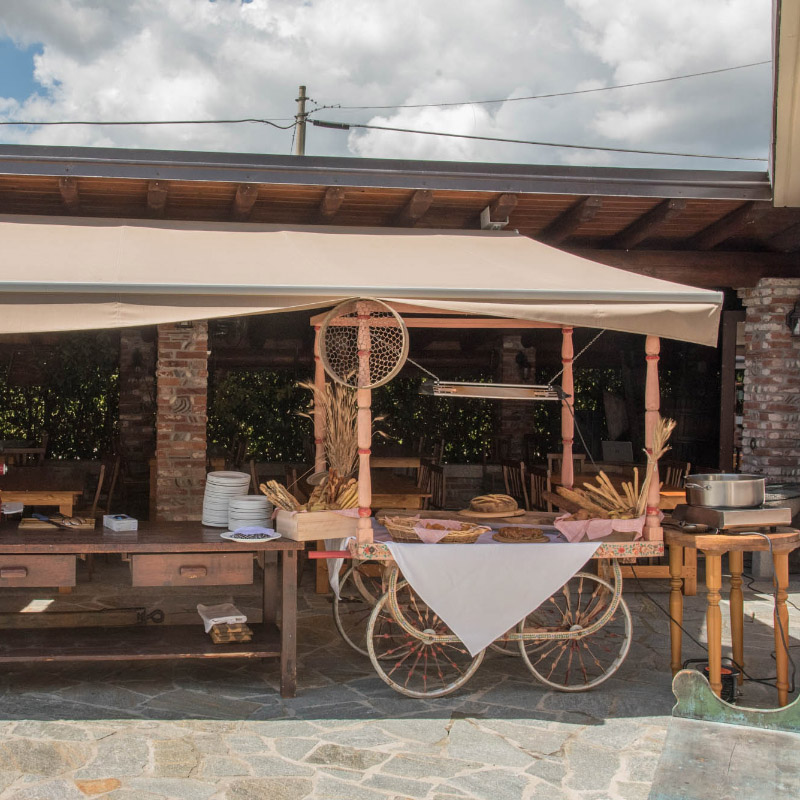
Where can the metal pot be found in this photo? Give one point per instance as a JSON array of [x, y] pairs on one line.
[[725, 491], [784, 495]]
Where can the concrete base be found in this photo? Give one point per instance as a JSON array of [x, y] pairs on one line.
[[761, 568]]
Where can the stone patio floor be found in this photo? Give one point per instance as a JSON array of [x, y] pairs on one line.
[[198, 730]]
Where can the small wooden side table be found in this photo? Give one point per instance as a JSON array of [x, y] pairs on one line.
[[714, 546]]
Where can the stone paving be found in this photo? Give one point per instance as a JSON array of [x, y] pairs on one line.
[[197, 730]]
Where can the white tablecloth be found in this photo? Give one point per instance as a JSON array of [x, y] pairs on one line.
[[481, 590]]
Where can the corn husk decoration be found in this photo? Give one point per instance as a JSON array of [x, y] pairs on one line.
[[601, 500]]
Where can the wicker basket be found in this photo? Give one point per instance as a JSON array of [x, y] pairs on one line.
[[401, 529]]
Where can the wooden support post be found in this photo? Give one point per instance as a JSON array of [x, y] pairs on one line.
[[652, 404], [781, 624], [736, 604], [364, 399], [714, 619], [567, 408], [319, 407], [675, 606]]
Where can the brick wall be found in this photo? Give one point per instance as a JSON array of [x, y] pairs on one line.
[[514, 417], [182, 384], [771, 424], [137, 412]]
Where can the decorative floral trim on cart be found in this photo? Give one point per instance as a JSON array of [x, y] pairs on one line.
[[378, 551]]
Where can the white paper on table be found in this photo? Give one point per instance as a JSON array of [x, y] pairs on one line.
[[483, 590]]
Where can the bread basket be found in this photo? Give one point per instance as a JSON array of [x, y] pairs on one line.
[[401, 529]]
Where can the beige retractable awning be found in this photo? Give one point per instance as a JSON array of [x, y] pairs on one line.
[[75, 274]]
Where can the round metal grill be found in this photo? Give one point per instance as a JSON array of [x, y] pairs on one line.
[[363, 343]]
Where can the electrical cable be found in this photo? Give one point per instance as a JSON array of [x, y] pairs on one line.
[[545, 96], [346, 126], [157, 122], [764, 681]]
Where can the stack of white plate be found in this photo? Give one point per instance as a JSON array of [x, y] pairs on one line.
[[248, 511], [221, 488]]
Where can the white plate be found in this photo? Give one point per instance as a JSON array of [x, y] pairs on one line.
[[240, 537]]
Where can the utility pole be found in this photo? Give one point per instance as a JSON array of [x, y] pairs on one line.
[[300, 118]]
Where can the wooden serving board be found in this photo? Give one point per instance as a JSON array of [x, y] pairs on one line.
[[33, 524]]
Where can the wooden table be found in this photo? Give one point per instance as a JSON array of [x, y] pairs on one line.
[[162, 554], [395, 462], [40, 486], [714, 546]]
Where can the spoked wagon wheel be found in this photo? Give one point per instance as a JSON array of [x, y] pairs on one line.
[[413, 650], [566, 659], [359, 590], [505, 645]]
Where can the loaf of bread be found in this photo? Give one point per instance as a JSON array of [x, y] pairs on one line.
[[493, 504]]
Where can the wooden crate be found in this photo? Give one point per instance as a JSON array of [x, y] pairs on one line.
[[310, 526]]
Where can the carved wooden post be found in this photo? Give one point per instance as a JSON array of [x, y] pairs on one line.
[[567, 406], [319, 408], [652, 404], [364, 399]]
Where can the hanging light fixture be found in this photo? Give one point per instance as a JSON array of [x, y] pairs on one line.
[[492, 391]]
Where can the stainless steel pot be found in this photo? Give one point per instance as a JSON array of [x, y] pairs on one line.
[[725, 491]]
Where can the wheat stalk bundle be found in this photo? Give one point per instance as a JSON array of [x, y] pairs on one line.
[[339, 406], [603, 501]]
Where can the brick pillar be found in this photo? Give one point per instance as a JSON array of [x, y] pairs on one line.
[[137, 413], [182, 381], [515, 417], [771, 425]]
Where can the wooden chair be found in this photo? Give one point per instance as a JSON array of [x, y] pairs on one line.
[[293, 482], [436, 485], [539, 483], [238, 452], [103, 497], [674, 473], [578, 462], [514, 479]]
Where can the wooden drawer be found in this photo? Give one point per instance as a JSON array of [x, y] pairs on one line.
[[192, 569], [37, 570]]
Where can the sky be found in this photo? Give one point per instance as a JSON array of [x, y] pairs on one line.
[[228, 59]]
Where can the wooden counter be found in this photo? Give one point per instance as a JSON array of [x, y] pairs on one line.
[[163, 554]]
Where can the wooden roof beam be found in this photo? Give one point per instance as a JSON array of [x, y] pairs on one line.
[[563, 226], [330, 204], [243, 202], [68, 186], [157, 192], [729, 225], [501, 208], [787, 241], [646, 225], [415, 209]]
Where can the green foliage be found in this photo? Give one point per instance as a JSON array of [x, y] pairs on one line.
[[261, 405], [76, 401], [464, 424]]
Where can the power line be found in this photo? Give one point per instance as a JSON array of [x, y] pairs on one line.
[[348, 125], [158, 122], [545, 96]]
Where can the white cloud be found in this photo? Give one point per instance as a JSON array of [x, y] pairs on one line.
[[150, 59]]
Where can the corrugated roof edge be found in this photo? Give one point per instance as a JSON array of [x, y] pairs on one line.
[[101, 162]]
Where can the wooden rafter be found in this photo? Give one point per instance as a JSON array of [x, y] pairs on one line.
[[415, 209], [568, 221], [501, 208], [157, 192], [243, 202], [68, 186], [729, 225], [787, 241], [646, 225], [331, 203]]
